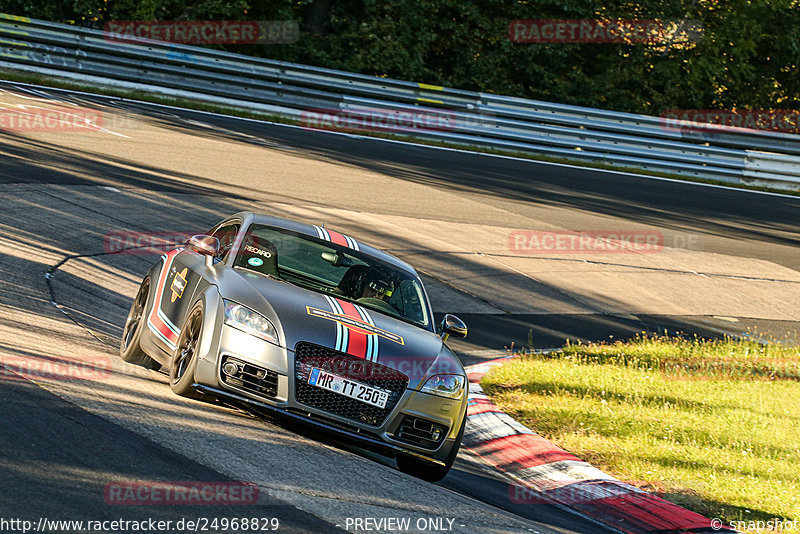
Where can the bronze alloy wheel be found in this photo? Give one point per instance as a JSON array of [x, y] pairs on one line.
[[184, 361]]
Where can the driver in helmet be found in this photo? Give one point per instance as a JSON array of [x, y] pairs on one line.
[[377, 286]]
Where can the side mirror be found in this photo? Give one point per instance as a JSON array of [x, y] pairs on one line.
[[452, 326], [206, 245]]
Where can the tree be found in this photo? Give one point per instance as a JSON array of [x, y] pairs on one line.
[[746, 56]]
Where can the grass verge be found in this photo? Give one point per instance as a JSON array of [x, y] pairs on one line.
[[711, 425], [68, 84]]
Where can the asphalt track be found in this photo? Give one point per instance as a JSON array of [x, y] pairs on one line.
[[57, 455], [65, 191]]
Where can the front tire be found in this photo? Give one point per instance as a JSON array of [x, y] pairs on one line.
[[130, 348], [428, 471], [184, 361]]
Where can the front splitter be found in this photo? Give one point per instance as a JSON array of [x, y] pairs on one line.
[[387, 449]]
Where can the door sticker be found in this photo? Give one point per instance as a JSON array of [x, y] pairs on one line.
[[179, 284]]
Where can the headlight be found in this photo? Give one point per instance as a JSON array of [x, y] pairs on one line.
[[247, 320], [451, 386]]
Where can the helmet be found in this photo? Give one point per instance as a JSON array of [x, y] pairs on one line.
[[379, 282]]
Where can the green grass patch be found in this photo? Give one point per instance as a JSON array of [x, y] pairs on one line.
[[711, 425]]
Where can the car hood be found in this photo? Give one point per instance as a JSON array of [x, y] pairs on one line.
[[302, 315]]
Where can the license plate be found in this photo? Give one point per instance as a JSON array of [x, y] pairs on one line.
[[348, 388]]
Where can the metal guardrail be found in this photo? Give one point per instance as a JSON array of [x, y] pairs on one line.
[[732, 155]]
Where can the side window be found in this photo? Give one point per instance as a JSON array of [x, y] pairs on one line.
[[226, 235]]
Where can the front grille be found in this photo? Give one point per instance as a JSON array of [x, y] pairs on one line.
[[420, 432], [308, 356], [250, 378]]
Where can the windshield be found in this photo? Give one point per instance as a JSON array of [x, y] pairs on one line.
[[329, 268]]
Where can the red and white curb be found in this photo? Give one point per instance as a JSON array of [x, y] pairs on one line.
[[546, 474]]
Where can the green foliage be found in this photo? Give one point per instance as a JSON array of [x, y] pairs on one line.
[[747, 57]]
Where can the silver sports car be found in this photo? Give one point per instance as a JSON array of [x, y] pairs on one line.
[[311, 325]]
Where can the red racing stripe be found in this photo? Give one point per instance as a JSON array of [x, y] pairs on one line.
[[479, 406], [165, 330], [337, 238], [519, 451], [476, 377], [154, 319], [357, 339], [644, 513]]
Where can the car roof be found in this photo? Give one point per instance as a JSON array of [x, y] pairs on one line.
[[313, 231]]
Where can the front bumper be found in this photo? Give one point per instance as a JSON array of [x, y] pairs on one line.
[[224, 342]]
